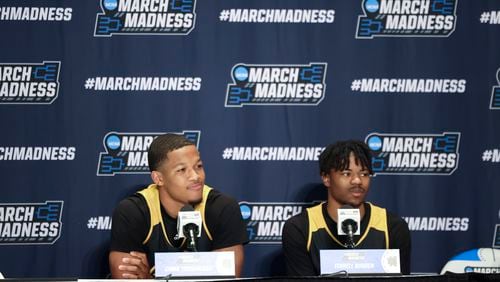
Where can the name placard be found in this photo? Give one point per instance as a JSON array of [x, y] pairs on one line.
[[361, 261], [195, 264]]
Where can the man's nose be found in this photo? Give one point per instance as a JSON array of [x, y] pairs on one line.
[[194, 175], [356, 179]]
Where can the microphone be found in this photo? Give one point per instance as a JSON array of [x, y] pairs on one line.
[[189, 226], [349, 219]]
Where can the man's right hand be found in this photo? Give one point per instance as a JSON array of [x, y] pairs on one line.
[[133, 265]]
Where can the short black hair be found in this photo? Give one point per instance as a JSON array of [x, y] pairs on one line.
[[162, 145], [336, 156]]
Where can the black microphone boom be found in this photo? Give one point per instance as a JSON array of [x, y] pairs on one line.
[[349, 226], [190, 229]]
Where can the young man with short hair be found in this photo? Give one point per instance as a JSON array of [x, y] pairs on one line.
[[345, 169], [146, 222]]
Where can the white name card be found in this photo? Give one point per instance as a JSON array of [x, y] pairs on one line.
[[195, 264], [360, 261]]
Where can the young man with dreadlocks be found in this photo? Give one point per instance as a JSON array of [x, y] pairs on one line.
[[345, 169], [146, 222]]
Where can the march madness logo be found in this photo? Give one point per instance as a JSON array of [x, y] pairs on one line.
[[127, 153], [483, 269], [155, 17], [276, 85], [495, 94], [412, 18], [265, 220], [29, 83], [33, 223], [435, 154]]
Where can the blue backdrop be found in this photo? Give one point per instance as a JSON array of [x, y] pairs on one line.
[[262, 87]]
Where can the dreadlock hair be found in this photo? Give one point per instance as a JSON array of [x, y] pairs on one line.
[[162, 145], [336, 156]]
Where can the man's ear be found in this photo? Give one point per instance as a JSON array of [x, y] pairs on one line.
[[157, 178], [326, 179]]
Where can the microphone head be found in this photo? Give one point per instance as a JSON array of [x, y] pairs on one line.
[[349, 223], [187, 208], [191, 227], [188, 217]]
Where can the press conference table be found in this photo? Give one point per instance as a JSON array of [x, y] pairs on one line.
[[472, 277]]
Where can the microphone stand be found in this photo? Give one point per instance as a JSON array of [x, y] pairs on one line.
[[349, 226], [191, 230], [350, 238], [191, 243]]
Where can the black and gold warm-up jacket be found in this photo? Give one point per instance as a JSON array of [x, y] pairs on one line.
[[157, 239], [320, 237]]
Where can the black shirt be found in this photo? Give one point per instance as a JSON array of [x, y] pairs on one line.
[[131, 223], [295, 236]]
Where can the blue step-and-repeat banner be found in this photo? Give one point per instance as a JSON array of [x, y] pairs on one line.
[[262, 86]]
